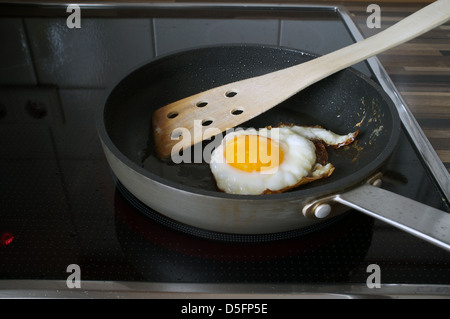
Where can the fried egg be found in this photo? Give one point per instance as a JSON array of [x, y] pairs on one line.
[[268, 160]]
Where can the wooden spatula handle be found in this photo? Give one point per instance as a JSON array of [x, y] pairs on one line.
[[409, 28], [229, 105]]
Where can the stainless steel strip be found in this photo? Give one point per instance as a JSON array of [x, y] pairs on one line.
[[55, 9], [135, 290]]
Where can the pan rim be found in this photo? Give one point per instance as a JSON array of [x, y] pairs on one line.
[[329, 188]]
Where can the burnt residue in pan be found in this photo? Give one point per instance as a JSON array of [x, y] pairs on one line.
[[372, 120]]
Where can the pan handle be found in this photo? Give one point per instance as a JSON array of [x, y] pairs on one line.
[[425, 222]]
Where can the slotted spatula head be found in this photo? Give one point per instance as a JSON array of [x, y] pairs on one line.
[[201, 116]]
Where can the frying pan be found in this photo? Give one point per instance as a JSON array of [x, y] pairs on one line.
[[186, 192]]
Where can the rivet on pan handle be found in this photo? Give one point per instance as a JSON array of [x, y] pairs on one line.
[[326, 207], [415, 218]]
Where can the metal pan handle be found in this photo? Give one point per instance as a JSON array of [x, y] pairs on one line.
[[425, 222]]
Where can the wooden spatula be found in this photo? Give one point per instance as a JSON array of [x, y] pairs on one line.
[[227, 106]]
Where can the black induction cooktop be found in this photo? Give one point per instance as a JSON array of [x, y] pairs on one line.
[[61, 205]]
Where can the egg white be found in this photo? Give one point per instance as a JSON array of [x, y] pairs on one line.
[[319, 133], [298, 165]]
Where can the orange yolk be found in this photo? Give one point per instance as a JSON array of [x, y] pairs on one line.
[[253, 153]]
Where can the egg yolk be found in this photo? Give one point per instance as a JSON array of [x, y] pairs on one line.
[[253, 153]]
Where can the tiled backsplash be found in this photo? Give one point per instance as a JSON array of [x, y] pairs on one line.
[[15, 57], [45, 51], [91, 56]]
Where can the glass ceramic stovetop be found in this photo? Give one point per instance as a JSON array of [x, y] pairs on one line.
[[61, 206]]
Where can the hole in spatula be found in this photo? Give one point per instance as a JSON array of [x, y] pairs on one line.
[[172, 115], [237, 111], [230, 93], [202, 104], [206, 122]]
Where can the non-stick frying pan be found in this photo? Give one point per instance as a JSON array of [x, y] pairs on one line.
[[187, 193]]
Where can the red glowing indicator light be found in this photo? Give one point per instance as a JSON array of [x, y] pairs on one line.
[[6, 238]]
